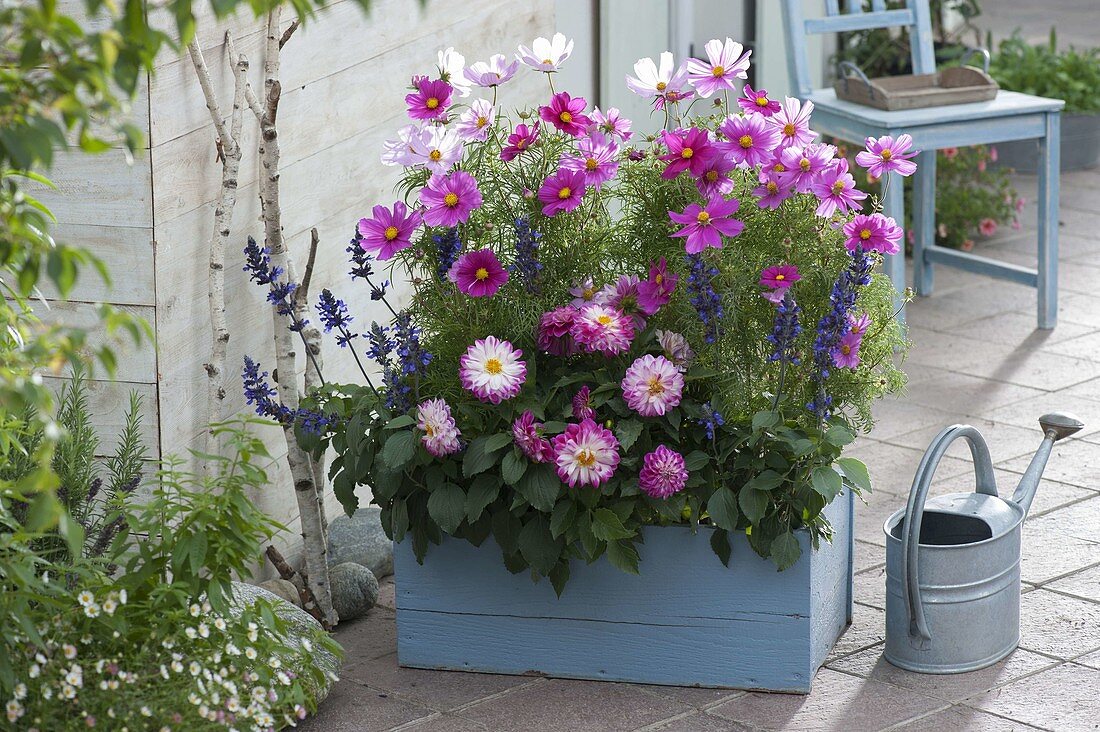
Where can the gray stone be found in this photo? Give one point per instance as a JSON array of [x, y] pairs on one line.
[[284, 589], [299, 625], [354, 589], [359, 538]]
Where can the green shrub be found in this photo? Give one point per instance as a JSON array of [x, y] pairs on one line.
[[1043, 70]]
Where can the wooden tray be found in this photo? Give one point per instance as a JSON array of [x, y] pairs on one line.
[[956, 85]]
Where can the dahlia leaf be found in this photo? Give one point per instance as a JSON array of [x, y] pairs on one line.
[[400, 421], [623, 555], [754, 503], [606, 526], [541, 550], [826, 481], [856, 472], [447, 506], [720, 543], [483, 491], [540, 485], [513, 467], [722, 507], [627, 432], [696, 460], [785, 550], [399, 449], [562, 517]]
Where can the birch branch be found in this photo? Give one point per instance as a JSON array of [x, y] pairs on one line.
[[309, 604]]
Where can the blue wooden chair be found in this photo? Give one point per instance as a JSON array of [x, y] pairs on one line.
[[1010, 116]]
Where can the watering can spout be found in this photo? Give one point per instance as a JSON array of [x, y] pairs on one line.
[[1055, 426]]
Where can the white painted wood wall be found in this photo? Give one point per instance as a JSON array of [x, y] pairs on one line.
[[344, 76]]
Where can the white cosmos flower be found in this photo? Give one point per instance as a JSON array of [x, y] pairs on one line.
[[452, 64], [651, 81], [494, 73], [475, 122], [544, 55], [436, 148]]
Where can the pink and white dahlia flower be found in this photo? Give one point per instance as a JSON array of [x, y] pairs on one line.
[[586, 454], [491, 370], [527, 434], [676, 348], [433, 418], [583, 408], [652, 386], [555, 334], [663, 473], [603, 329]]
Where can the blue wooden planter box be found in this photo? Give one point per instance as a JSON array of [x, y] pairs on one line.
[[686, 620]]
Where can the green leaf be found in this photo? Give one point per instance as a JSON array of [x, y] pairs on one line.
[[623, 555], [606, 526], [497, 441], [839, 435], [765, 420], [483, 491], [696, 460], [722, 507], [400, 421], [399, 517], [754, 503], [540, 485], [505, 530], [541, 550], [826, 481], [766, 481], [399, 449], [447, 506], [627, 433], [720, 543], [478, 457], [559, 575], [513, 467], [785, 550], [856, 472], [562, 517]]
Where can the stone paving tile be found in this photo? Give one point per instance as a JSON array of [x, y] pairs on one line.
[[1058, 625], [1085, 583], [693, 696], [1005, 440], [868, 628], [351, 707], [1024, 366], [1050, 496], [1018, 329], [1026, 413], [700, 722], [872, 510], [445, 723], [947, 309], [1086, 346], [892, 467], [1073, 461], [960, 393], [1064, 698], [1060, 542], [870, 587], [573, 705], [868, 556], [1089, 390], [871, 664], [1092, 660], [368, 637], [964, 719], [897, 416], [838, 702], [1076, 307]]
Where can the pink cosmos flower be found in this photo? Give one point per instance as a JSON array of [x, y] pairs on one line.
[[665, 85], [544, 55], [987, 227], [562, 191], [663, 473], [781, 276], [752, 140], [583, 408], [793, 123], [436, 148], [433, 418], [716, 179], [388, 232], [491, 370], [873, 233], [846, 354], [566, 113], [859, 324], [705, 226], [399, 151], [586, 454], [886, 154], [598, 159], [836, 189], [773, 296], [478, 273], [475, 122], [728, 61], [655, 293], [652, 385], [430, 100], [757, 102], [527, 434], [584, 293], [676, 348], [494, 73], [603, 329], [802, 165], [449, 199], [770, 194], [555, 334], [522, 138], [690, 149], [611, 123]]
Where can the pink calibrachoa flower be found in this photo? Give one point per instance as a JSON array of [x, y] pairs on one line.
[[522, 138], [715, 179], [873, 233], [665, 85], [555, 335], [562, 191], [475, 122], [611, 123], [449, 199], [802, 165], [652, 385], [728, 61], [846, 354], [655, 292], [690, 150], [478, 273], [836, 189], [582, 404], [436, 148], [781, 276], [491, 370], [433, 418], [770, 193], [752, 140], [566, 113], [598, 159], [793, 122], [584, 293], [705, 226], [430, 100], [527, 434], [756, 101], [603, 329], [676, 348], [544, 55], [586, 454], [886, 154], [494, 73], [663, 473], [987, 227], [388, 232]]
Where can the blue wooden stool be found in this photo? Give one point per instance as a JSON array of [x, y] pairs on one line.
[[1010, 116]]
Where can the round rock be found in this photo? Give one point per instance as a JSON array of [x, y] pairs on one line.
[[354, 590], [284, 589], [359, 538]]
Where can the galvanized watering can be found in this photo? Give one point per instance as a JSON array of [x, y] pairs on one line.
[[953, 561]]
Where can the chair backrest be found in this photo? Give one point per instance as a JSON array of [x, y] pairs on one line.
[[915, 16]]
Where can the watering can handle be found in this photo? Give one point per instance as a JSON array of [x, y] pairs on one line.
[[914, 513]]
